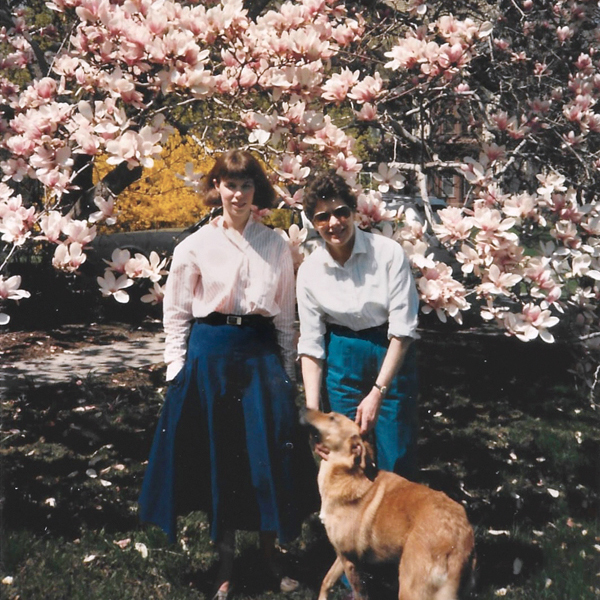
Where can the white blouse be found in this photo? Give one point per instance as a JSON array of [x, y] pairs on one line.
[[216, 269], [374, 286]]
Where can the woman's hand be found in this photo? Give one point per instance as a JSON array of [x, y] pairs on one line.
[[321, 451], [368, 411]]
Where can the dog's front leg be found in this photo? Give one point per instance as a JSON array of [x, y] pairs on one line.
[[356, 583], [334, 573]]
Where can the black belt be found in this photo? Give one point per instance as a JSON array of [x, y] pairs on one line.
[[217, 318], [342, 330]]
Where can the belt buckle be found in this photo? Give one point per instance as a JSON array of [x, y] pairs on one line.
[[233, 320]]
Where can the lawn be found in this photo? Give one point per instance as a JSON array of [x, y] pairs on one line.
[[504, 430]]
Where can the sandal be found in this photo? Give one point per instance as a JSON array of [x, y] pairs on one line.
[[223, 594]]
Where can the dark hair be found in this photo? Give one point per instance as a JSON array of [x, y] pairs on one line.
[[239, 163], [327, 186]]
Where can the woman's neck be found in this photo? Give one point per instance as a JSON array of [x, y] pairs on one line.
[[238, 224], [341, 253]]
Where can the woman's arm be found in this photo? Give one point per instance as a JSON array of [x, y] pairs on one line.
[[368, 410], [177, 308], [285, 298], [312, 374]]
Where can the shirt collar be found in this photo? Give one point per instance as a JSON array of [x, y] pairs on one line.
[[360, 247], [219, 222], [242, 241]]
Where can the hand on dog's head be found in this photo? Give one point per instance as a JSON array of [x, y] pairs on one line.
[[341, 437]]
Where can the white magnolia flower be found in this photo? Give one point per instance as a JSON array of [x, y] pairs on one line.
[[111, 286]]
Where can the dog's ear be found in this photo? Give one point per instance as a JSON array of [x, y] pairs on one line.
[[358, 451], [370, 465]]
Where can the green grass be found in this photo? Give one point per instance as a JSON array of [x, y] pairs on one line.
[[503, 430]]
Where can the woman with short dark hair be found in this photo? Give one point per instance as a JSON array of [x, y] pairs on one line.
[[358, 306]]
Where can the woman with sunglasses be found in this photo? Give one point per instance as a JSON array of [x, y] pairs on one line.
[[358, 306], [228, 441]]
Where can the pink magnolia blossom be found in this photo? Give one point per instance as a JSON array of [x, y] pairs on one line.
[[267, 128], [491, 225], [520, 207], [337, 87], [470, 260], [497, 283], [532, 322], [567, 233], [14, 228], [550, 182], [454, 225], [291, 168], [419, 254], [106, 212], [52, 225], [295, 237], [564, 33], [347, 166], [475, 172], [10, 288], [371, 209], [140, 266], [118, 260], [68, 257], [115, 287], [78, 231], [155, 295], [442, 294], [368, 112], [135, 148], [367, 90], [388, 176]]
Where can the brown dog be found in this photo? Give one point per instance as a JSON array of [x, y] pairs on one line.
[[387, 519]]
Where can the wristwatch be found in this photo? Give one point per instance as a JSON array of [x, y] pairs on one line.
[[382, 389]]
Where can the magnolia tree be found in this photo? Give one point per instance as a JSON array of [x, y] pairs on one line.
[[500, 96]]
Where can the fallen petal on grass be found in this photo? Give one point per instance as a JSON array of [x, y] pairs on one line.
[[142, 549]]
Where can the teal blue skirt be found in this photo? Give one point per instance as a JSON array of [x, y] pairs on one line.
[[353, 361], [228, 440]]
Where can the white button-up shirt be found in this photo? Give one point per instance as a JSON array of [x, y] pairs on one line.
[[373, 287], [216, 269]]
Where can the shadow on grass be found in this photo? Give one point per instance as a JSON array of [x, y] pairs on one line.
[[502, 430]]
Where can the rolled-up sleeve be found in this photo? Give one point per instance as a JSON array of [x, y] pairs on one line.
[[312, 323], [404, 299]]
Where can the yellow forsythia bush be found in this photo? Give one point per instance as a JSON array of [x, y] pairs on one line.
[[160, 199]]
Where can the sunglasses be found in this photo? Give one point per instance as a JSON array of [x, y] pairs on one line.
[[341, 212]]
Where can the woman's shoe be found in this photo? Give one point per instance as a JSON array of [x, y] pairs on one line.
[[277, 570], [288, 585], [223, 594]]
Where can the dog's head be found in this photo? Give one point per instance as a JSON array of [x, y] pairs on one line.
[[341, 436]]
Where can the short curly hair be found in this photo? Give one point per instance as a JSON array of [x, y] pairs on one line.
[[327, 186], [239, 163]]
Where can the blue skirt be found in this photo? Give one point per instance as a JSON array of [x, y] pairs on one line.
[[352, 365], [229, 442]]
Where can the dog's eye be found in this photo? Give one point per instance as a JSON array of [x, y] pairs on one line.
[[332, 417]]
